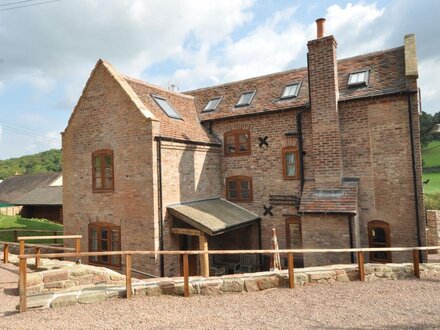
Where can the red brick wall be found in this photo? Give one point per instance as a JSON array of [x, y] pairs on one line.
[[325, 121], [189, 173], [105, 118]]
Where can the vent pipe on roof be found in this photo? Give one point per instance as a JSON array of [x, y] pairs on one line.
[[320, 24]]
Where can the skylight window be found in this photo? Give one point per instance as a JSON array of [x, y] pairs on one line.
[[290, 91], [245, 99], [212, 104], [166, 107], [358, 78]]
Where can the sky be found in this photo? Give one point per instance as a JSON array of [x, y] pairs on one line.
[[47, 50]]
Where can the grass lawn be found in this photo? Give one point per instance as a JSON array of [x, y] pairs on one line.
[[10, 222], [433, 184], [431, 154]]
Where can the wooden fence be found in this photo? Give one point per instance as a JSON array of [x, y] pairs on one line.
[[290, 253]]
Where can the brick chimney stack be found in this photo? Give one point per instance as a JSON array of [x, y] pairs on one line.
[[324, 94]]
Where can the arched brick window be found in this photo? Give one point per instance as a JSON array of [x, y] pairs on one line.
[[102, 171], [379, 236], [237, 143], [105, 237], [239, 189]]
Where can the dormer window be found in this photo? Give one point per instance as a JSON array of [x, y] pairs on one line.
[[245, 99], [166, 107], [212, 104], [358, 79], [290, 91]]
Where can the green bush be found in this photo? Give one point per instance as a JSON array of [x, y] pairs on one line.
[[432, 201]]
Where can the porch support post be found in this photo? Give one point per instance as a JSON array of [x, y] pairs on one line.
[[204, 258]]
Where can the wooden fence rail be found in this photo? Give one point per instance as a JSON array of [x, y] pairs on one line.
[[290, 257], [37, 256]]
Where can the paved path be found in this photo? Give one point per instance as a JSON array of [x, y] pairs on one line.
[[406, 304]]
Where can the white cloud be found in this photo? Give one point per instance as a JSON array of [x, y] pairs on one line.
[[430, 84], [355, 28]]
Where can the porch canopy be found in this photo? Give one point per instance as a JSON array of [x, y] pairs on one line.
[[213, 216]]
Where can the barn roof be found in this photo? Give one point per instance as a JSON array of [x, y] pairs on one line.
[[15, 187]]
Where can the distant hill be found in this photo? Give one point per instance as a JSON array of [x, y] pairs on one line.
[[43, 162]]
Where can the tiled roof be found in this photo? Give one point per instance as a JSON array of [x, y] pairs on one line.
[[189, 128], [213, 216], [52, 195], [343, 199], [15, 187], [387, 75]]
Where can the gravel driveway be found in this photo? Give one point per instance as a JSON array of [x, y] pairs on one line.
[[406, 304]]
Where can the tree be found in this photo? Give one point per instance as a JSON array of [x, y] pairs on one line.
[[427, 122]]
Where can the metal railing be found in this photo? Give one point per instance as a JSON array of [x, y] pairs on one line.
[[290, 254]]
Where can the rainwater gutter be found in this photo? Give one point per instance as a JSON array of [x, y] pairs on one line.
[[414, 172]]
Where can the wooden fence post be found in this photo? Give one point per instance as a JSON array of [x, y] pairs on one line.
[[416, 263], [361, 267], [22, 284], [204, 258], [185, 275], [290, 265], [21, 249], [5, 253], [128, 276], [77, 245], [37, 257]]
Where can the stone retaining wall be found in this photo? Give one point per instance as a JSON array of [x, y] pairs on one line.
[[88, 284], [433, 229]]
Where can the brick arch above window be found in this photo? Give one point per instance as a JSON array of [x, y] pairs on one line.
[[239, 188], [102, 170], [237, 142], [289, 142], [237, 126]]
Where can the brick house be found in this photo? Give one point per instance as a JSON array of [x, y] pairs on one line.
[[328, 155]]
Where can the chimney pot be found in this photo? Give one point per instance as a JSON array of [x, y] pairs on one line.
[[320, 22]]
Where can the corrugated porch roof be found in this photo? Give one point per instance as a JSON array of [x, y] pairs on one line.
[[213, 216]]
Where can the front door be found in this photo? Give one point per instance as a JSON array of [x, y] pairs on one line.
[[294, 238], [189, 243]]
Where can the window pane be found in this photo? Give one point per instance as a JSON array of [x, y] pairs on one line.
[[245, 98], [108, 182], [232, 194], [93, 245], [230, 144], [97, 165], [98, 183], [104, 259], [290, 90], [104, 245], [115, 260], [291, 170], [244, 185], [104, 233], [290, 158], [379, 235], [245, 194], [294, 236], [115, 236], [232, 185], [243, 141], [93, 234], [167, 108]]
